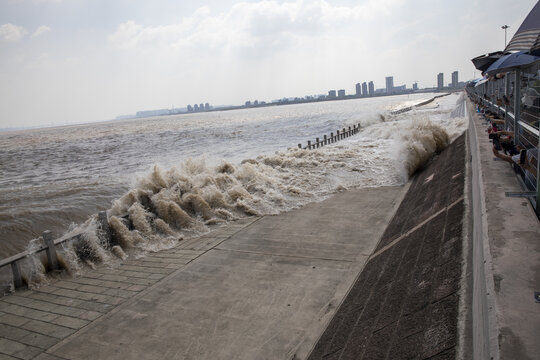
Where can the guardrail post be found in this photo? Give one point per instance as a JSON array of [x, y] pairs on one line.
[[517, 95], [51, 250], [331, 137], [325, 142], [299, 146], [506, 93], [350, 133], [309, 144], [17, 278], [343, 134], [337, 135], [317, 140]]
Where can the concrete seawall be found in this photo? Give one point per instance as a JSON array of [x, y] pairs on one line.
[[384, 273], [406, 301]]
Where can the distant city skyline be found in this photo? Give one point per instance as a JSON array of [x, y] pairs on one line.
[[361, 90], [80, 61]]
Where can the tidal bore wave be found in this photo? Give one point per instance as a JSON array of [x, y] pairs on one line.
[[166, 206]]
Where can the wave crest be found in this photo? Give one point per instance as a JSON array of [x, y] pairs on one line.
[[423, 139]]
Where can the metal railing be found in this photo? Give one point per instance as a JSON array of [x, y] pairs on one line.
[[49, 246], [516, 98]]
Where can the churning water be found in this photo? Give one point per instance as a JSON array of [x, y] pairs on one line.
[[167, 177]]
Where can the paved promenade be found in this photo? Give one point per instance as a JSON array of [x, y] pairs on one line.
[[32, 321], [511, 241], [261, 288]]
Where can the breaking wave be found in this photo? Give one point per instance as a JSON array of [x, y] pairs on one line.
[[168, 205]]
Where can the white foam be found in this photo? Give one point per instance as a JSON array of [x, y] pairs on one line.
[[166, 205]]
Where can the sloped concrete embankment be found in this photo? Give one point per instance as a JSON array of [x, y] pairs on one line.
[[405, 303]]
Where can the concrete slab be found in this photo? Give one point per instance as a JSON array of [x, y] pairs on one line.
[[333, 229], [266, 293]]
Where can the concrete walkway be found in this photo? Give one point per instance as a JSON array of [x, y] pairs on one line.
[[512, 246], [263, 288]]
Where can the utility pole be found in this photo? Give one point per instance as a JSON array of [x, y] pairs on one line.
[[505, 27]]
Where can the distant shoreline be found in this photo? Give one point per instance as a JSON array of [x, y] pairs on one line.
[[297, 101], [228, 108]]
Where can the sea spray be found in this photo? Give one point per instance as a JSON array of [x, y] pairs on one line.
[[169, 211], [163, 228], [199, 206], [139, 218], [85, 249], [167, 204], [33, 267], [120, 233], [118, 252], [421, 142], [121, 206], [214, 197]]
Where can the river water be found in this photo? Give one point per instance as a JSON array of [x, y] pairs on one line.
[[213, 166]]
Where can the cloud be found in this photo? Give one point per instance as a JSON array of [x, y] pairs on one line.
[[41, 30], [270, 25], [264, 48], [12, 33]]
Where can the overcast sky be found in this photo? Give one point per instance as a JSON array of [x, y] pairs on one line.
[[73, 61]]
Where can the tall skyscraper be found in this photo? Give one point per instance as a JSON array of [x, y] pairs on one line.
[[389, 84], [454, 79], [440, 81], [332, 94], [415, 86], [371, 88], [358, 89], [364, 89], [341, 93]]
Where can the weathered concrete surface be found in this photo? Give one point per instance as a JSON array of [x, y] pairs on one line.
[[513, 242], [237, 300], [406, 302], [33, 321]]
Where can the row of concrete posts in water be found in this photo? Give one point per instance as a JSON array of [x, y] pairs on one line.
[[355, 129]]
